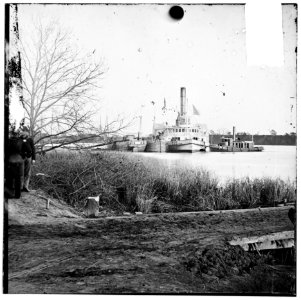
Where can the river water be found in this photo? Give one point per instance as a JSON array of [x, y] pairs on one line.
[[273, 162]]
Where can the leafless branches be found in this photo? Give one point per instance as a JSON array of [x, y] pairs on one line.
[[59, 87]]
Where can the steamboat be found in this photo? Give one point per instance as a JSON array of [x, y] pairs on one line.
[[187, 135]]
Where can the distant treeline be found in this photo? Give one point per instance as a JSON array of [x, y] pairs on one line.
[[285, 140]]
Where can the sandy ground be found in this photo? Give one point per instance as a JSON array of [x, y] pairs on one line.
[[56, 250]]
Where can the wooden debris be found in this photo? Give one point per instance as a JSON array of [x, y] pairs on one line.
[[47, 200], [284, 239]]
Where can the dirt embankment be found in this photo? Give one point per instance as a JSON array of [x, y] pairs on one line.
[[56, 250]]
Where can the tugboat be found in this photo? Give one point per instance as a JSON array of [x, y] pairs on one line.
[[234, 145]]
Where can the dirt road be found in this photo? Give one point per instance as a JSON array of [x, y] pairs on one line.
[[57, 251]]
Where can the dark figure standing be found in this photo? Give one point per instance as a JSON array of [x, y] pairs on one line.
[[15, 167], [29, 156]]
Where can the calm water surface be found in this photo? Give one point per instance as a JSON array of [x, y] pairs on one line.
[[274, 161]]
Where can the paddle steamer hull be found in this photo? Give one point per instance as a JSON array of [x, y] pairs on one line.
[[137, 148], [186, 146]]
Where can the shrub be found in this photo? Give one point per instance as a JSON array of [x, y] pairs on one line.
[[150, 185]]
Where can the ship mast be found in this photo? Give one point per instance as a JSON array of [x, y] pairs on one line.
[[139, 130], [154, 118]]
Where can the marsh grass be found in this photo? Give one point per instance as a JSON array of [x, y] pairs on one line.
[[151, 186]]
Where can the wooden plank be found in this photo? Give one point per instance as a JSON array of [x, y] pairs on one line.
[[269, 245], [278, 240], [228, 211], [263, 238]]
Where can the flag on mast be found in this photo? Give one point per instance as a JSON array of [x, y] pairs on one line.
[[195, 111]]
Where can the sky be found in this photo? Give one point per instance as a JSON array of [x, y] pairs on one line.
[[238, 69]]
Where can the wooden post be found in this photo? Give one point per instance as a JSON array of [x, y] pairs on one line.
[[91, 208], [47, 203]]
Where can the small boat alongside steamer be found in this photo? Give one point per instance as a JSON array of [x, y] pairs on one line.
[[129, 143], [137, 146], [235, 145]]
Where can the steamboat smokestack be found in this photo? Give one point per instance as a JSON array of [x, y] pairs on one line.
[[234, 133], [183, 101]]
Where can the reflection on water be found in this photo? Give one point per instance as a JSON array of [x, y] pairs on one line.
[[274, 161]]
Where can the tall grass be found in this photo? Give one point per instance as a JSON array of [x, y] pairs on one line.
[[150, 185]]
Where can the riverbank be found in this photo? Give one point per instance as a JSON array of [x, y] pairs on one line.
[[57, 251], [149, 186]]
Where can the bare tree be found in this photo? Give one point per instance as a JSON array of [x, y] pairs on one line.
[[59, 88]]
